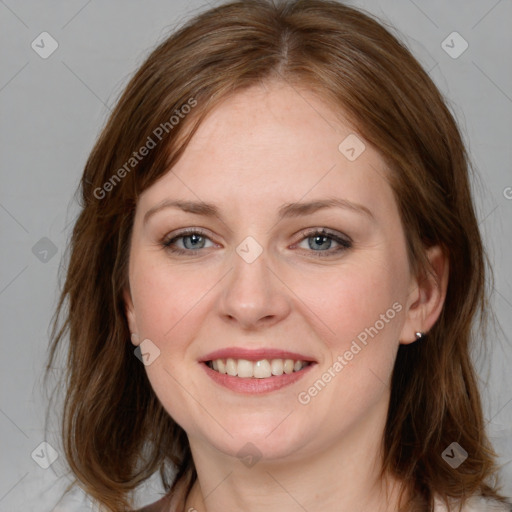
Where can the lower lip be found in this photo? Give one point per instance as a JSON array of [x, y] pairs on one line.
[[254, 385]]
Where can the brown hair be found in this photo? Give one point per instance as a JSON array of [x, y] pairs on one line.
[[115, 431]]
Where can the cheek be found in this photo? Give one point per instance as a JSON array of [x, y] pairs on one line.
[[363, 311], [165, 297], [360, 297], [167, 302]]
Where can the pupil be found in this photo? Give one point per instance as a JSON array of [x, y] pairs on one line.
[[194, 239], [320, 237]]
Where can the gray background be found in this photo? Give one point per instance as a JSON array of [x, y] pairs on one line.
[[52, 110]]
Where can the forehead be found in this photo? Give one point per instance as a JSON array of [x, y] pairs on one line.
[[275, 144]]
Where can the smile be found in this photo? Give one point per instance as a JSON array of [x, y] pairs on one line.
[[256, 371], [262, 369]]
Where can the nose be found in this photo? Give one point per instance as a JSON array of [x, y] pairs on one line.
[[253, 294]]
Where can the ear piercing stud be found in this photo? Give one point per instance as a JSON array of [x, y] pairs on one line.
[[420, 335]]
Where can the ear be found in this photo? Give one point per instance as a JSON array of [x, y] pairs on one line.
[[426, 297], [130, 316]]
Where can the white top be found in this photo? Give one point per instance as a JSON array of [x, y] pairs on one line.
[[77, 501], [475, 504]]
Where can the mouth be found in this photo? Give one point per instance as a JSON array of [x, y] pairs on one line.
[[261, 369], [256, 371]]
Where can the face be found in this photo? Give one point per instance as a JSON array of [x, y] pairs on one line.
[[258, 278]]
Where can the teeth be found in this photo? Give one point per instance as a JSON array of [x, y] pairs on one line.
[[231, 367], [261, 369], [256, 369], [288, 366], [276, 366], [244, 368]]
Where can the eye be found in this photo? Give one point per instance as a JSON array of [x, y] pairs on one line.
[[193, 241], [319, 241], [322, 239]]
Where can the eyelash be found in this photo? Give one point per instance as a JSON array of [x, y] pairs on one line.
[[344, 243]]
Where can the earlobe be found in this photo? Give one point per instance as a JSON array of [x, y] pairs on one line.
[[430, 293], [130, 316]]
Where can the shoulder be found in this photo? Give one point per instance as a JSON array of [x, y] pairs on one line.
[[162, 505], [473, 504]]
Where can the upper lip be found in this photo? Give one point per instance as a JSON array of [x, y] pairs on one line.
[[255, 354]]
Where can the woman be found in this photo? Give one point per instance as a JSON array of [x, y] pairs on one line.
[[273, 277]]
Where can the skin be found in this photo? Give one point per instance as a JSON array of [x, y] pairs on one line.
[[258, 150]]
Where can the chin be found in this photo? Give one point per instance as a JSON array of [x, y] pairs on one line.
[[260, 437]]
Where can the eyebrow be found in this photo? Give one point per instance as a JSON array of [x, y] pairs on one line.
[[288, 210]]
